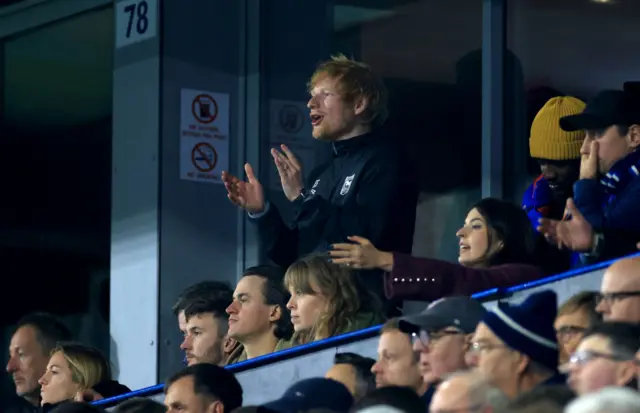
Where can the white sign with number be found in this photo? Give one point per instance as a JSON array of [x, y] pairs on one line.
[[136, 20]]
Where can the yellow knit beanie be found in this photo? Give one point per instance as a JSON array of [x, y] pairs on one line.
[[547, 140]]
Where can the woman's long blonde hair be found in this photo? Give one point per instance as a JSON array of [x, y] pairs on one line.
[[88, 366], [342, 288]]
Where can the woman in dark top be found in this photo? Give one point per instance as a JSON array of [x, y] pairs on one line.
[[76, 372], [496, 249]]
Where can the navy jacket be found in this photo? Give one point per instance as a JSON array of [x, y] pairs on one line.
[[367, 189]]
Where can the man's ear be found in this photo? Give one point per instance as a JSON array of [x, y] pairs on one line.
[[276, 313], [360, 105], [523, 362], [634, 136], [215, 407], [626, 373]]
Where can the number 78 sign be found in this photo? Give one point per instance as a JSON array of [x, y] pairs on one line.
[[136, 20]]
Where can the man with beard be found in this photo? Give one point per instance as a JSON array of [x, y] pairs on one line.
[[365, 189]]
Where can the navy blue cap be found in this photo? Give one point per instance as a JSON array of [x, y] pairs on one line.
[[607, 108], [463, 313], [528, 327], [315, 393]]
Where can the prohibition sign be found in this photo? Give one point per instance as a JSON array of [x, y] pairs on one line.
[[204, 108], [204, 157], [291, 119]]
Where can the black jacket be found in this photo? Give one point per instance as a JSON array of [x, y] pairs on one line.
[[367, 189], [15, 404]]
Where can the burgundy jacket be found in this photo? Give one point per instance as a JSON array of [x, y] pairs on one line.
[[427, 279]]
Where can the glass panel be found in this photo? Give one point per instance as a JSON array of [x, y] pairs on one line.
[[564, 48]]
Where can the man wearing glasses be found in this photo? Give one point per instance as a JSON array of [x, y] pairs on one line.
[[575, 316], [620, 291], [441, 335], [605, 357], [516, 347]]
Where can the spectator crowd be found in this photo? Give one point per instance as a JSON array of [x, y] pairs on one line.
[[343, 263]]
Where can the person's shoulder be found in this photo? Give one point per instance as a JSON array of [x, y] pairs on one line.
[[236, 355], [634, 185], [284, 344], [384, 143], [388, 154]]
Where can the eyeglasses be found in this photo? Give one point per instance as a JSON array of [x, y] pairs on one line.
[[429, 338], [610, 298], [478, 347], [580, 358], [566, 333]]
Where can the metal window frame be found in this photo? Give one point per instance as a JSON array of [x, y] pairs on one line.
[[493, 52], [250, 119]]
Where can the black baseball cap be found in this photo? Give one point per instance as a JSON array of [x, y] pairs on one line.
[[463, 313], [607, 108], [314, 393]]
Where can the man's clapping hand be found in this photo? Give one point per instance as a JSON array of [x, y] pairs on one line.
[[248, 194]]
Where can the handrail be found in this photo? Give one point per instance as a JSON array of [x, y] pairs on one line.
[[567, 274], [493, 293], [271, 358]]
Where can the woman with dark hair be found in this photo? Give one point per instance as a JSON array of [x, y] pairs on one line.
[[496, 249]]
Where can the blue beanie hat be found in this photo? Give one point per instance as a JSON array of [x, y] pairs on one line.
[[528, 327]]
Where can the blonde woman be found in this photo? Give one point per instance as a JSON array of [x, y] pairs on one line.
[[73, 370], [327, 300]]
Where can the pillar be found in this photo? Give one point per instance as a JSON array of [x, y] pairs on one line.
[[172, 224]]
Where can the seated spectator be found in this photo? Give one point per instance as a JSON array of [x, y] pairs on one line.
[[206, 329], [400, 398], [619, 298], [140, 405], [467, 391], [578, 235], [397, 363], [327, 300], [605, 357], [441, 336], [515, 346], [212, 289], [547, 399], [496, 247], [608, 191], [558, 154], [202, 388], [258, 318], [72, 372], [575, 316], [36, 335], [354, 371], [313, 394], [609, 400]]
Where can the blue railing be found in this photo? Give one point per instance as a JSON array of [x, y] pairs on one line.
[[491, 294]]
